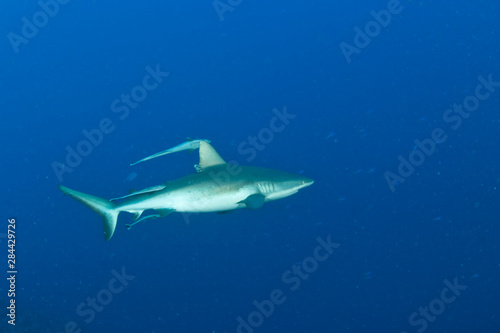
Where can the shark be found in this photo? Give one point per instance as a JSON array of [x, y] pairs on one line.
[[216, 186]]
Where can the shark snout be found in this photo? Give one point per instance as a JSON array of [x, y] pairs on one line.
[[307, 182]]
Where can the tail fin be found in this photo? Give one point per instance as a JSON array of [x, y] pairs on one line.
[[107, 209]]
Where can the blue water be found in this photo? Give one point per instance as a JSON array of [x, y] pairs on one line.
[[416, 249]]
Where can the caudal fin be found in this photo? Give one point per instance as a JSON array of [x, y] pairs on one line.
[[107, 209]]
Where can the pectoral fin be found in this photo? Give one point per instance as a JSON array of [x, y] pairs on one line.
[[254, 201]]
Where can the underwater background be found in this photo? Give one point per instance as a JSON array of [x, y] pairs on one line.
[[392, 108]]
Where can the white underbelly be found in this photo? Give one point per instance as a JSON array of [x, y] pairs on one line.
[[213, 204], [198, 202]]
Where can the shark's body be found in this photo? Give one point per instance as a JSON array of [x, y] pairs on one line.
[[216, 187]]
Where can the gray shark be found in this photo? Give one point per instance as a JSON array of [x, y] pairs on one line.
[[217, 186]]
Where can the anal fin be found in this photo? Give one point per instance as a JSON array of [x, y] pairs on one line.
[[164, 212]]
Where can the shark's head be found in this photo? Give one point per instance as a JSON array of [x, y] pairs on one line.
[[284, 186]]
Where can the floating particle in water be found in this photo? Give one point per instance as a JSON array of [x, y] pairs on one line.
[[368, 275], [131, 176], [439, 218], [475, 276], [332, 133]]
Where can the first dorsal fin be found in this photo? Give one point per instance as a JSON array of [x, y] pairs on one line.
[[208, 155]]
